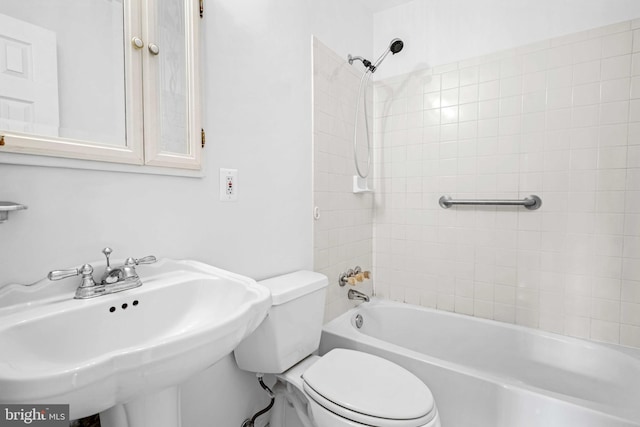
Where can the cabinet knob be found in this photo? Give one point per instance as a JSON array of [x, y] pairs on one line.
[[154, 49], [137, 42]]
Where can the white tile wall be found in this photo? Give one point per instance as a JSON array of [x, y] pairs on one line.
[[343, 235], [560, 119]]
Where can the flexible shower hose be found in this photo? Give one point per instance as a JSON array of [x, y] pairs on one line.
[[364, 80]]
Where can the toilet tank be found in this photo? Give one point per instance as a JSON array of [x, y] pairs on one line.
[[291, 331]]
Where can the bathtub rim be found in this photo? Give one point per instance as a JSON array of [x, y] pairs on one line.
[[337, 327], [375, 301]]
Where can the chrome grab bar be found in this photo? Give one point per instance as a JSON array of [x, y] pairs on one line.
[[6, 207], [532, 202]]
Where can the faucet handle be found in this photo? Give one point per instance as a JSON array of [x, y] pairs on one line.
[[86, 271], [130, 264], [62, 274], [129, 269], [150, 259]]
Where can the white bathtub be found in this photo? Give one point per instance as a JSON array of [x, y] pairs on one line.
[[490, 374]]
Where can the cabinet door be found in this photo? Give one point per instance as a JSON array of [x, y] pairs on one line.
[[172, 111], [66, 80]]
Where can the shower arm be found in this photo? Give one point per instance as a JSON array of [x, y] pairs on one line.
[[364, 61]]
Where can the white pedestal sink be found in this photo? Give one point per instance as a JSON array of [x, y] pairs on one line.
[[123, 354], [160, 409]]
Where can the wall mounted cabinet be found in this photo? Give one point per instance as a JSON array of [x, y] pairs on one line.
[[114, 81]]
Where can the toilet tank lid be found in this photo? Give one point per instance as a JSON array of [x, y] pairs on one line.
[[294, 285]]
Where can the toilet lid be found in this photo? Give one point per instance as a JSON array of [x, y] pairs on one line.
[[369, 385]]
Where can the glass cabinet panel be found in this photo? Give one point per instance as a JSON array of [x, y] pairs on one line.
[[172, 82], [108, 80], [62, 69], [170, 70]]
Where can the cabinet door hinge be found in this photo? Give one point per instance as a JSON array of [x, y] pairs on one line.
[[201, 8], [202, 137]]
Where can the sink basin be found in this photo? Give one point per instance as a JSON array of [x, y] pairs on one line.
[[97, 353]]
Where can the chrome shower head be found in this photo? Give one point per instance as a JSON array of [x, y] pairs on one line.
[[395, 46]]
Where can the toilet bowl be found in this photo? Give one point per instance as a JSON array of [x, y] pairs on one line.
[[352, 388], [343, 387]]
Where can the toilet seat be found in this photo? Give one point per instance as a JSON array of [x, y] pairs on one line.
[[368, 389]]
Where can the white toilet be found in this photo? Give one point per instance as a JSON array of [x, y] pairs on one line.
[[341, 388]]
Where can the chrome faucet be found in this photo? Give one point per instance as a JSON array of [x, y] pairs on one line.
[[114, 279], [124, 273], [357, 295]]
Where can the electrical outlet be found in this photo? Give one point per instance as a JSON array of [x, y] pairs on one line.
[[228, 185]]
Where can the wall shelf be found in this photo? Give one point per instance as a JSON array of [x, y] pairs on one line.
[[360, 185]]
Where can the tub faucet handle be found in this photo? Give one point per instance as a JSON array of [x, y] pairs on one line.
[[344, 277], [354, 276]]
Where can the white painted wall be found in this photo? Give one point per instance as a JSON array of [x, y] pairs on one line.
[[257, 99], [258, 117], [439, 32]]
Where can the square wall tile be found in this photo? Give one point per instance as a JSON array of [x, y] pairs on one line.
[[559, 119], [616, 67]]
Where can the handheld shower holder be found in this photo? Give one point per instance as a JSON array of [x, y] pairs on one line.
[[364, 61]]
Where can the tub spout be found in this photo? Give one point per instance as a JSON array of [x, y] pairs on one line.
[[357, 295]]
